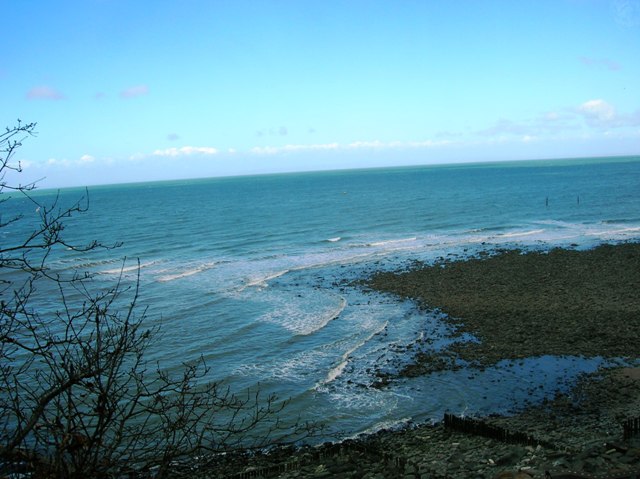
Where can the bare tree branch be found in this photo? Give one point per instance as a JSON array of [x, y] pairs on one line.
[[77, 396]]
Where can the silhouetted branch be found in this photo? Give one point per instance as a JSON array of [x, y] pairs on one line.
[[77, 395]]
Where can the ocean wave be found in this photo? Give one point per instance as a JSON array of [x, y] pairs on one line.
[[392, 242], [294, 369], [335, 372], [390, 424], [128, 269], [295, 316], [474, 231], [621, 221], [299, 263], [606, 233], [516, 234], [559, 224], [263, 281], [329, 316], [334, 240], [84, 263], [184, 274]]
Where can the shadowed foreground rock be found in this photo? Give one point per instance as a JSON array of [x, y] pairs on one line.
[[584, 427]]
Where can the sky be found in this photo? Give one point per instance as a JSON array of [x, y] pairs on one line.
[[128, 91]]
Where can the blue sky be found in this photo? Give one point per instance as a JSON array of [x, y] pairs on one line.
[[128, 90]]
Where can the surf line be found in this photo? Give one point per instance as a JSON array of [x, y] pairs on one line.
[[262, 282], [337, 371], [185, 274], [327, 319]]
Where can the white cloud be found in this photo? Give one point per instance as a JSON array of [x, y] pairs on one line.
[[596, 114], [186, 151], [58, 162], [598, 111], [67, 163], [366, 144]]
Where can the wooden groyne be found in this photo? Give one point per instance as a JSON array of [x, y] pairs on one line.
[[478, 427], [631, 427]]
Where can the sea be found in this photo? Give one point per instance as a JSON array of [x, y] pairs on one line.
[[260, 275]]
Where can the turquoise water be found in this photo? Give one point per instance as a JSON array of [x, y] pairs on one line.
[[255, 273]]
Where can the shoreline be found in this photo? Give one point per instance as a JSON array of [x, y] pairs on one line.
[[580, 437], [518, 305]]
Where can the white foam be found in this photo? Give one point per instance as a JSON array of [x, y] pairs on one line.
[[615, 232], [186, 273], [392, 242], [330, 316], [263, 281], [337, 371], [300, 263], [516, 234], [296, 368], [334, 240], [388, 424], [301, 320], [128, 269]]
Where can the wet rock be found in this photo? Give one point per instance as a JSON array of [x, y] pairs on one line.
[[590, 295]]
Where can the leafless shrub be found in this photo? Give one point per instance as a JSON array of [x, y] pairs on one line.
[[77, 396]]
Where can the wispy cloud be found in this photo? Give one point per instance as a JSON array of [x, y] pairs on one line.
[[44, 92], [186, 151], [273, 131], [506, 127], [356, 145], [273, 150], [134, 91], [601, 63], [381, 145], [596, 114], [626, 12]]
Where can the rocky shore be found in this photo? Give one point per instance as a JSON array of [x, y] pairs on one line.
[[560, 302], [580, 435]]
